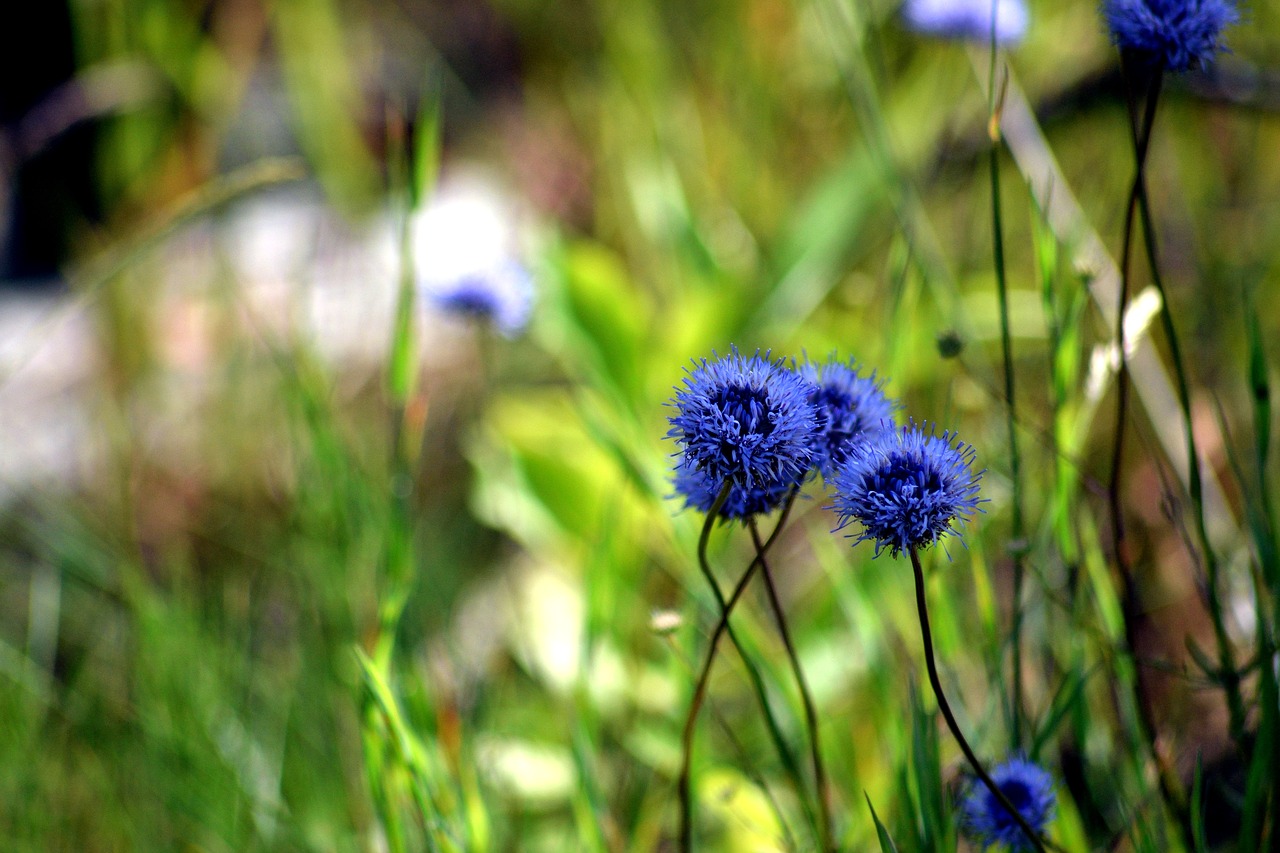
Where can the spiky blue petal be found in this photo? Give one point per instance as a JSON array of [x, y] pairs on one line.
[[1175, 33], [741, 503], [907, 488], [851, 407], [745, 420], [1029, 789]]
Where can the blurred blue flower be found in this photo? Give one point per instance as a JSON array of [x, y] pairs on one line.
[[500, 293], [850, 407], [1176, 33], [465, 248], [1029, 789], [745, 420], [906, 488], [968, 19]]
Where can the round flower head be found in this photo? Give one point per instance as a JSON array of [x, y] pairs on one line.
[[1028, 788], [500, 293], [850, 408], [968, 19], [741, 503], [1175, 33], [744, 420], [906, 488]]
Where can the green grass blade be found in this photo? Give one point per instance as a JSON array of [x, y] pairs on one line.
[[886, 842], [1197, 807]]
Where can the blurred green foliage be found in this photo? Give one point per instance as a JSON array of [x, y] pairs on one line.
[[336, 608]]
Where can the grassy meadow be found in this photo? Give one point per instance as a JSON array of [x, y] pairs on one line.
[[322, 568]]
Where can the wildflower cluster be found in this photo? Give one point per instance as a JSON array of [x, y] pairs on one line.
[[753, 430], [760, 428]]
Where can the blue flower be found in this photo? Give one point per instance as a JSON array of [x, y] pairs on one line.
[[499, 292], [1177, 33], [851, 407], [1028, 788], [968, 19], [907, 488], [747, 421], [741, 503]]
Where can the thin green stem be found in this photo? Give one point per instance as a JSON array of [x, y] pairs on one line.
[[722, 627], [1011, 413], [806, 697], [931, 665]]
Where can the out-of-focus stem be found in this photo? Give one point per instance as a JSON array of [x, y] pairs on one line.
[[806, 698], [1011, 414]]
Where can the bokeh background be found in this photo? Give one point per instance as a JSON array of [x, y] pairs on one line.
[[231, 456]]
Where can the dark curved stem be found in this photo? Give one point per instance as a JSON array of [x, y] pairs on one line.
[[722, 627], [789, 762], [806, 697], [1141, 123], [699, 696], [931, 665], [1142, 138]]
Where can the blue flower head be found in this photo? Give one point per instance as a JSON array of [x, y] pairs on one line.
[[498, 292], [968, 19], [851, 407], [907, 488], [1029, 789], [1175, 33], [747, 421], [741, 503]]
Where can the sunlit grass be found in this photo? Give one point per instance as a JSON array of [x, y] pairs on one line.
[[432, 591]]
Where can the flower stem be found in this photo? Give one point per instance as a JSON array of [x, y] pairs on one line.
[[789, 762], [1141, 123], [1227, 671], [810, 712], [931, 665], [1015, 460], [722, 627]]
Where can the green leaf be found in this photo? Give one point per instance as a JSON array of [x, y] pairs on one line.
[[1207, 666], [426, 147], [1197, 808], [886, 843], [402, 362], [928, 774], [326, 99], [609, 319], [1065, 698]]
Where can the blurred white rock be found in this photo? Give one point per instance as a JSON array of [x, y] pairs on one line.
[[294, 272]]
